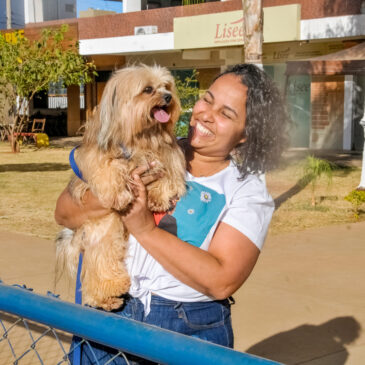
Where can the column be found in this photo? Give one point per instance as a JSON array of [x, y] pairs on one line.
[[73, 109]]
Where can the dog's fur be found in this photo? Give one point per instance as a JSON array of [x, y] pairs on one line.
[[122, 135]]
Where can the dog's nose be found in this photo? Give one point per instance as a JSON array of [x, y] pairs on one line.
[[167, 98]]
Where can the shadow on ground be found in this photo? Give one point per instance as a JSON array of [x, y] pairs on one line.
[[299, 186], [338, 170], [62, 142], [31, 167], [309, 343]]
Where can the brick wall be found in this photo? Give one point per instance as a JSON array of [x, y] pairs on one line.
[[33, 31], [123, 24]]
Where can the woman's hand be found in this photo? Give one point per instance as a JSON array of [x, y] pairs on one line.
[[72, 215], [139, 219]]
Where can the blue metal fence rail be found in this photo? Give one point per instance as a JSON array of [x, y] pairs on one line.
[[124, 334]]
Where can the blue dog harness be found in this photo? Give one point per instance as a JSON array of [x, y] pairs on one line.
[[73, 164]]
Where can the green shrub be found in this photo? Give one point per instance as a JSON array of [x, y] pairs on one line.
[[356, 198], [315, 168], [188, 91]]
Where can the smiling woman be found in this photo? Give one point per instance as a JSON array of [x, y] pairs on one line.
[[218, 120], [185, 264]]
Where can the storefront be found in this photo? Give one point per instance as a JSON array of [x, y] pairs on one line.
[[337, 84], [209, 37]]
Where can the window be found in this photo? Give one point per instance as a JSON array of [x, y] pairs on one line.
[[69, 8]]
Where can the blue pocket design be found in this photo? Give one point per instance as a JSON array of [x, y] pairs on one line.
[[197, 212]]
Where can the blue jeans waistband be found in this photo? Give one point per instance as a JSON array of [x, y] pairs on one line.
[[158, 300]]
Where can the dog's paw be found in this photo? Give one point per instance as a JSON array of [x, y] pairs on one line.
[[158, 206], [112, 303], [107, 293], [108, 304], [158, 201]]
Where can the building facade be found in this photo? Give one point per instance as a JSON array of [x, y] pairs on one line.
[[209, 36], [11, 14], [37, 11]]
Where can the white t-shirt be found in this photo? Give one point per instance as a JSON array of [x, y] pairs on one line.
[[245, 205]]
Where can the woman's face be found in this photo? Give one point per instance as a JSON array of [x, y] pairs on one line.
[[218, 118]]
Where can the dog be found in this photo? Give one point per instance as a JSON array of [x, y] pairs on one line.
[[132, 126]]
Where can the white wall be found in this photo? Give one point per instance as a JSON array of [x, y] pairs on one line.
[[333, 27], [33, 11], [42, 10], [132, 5], [348, 112]]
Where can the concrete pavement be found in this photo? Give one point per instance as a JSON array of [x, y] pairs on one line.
[[303, 304]]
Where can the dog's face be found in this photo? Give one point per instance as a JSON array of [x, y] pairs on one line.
[[137, 100]]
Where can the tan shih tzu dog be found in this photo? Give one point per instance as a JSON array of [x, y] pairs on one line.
[[132, 126]]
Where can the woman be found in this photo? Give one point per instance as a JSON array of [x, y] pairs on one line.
[[184, 268]]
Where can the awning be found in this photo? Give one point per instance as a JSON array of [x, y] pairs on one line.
[[346, 62]]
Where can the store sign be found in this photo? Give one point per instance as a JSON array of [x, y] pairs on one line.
[[229, 33], [226, 29], [295, 51], [12, 37]]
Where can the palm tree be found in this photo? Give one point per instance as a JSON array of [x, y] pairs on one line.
[[314, 169]]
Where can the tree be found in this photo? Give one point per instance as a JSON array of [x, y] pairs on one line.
[[28, 67], [188, 92], [314, 169], [252, 31]]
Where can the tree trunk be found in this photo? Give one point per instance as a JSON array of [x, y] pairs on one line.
[[253, 30], [18, 124], [14, 143]]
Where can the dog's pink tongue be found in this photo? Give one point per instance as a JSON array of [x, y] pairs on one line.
[[161, 116]]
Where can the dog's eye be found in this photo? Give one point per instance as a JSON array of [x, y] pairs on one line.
[[148, 90]]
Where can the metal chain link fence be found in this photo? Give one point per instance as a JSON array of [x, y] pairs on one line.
[[24, 342], [36, 329]]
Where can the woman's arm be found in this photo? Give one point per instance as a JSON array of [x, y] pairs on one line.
[[70, 214], [218, 272]]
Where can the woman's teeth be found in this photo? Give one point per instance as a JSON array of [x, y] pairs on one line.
[[202, 130]]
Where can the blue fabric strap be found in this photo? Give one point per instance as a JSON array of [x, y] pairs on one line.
[[78, 293], [76, 356], [73, 164]]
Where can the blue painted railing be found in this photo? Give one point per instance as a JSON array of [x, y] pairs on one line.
[[120, 333]]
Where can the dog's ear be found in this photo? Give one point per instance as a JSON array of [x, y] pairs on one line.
[[107, 115]]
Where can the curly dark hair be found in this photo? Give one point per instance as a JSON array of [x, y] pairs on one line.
[[267, 121]]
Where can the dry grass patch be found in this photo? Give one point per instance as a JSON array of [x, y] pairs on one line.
[[294, 210], [31, 181]]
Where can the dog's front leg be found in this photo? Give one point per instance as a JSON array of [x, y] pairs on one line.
[[111, 183]]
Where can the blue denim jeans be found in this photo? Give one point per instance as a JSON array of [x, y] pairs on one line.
[[210, 321]]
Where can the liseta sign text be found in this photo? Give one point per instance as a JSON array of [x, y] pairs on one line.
[[229, 32]]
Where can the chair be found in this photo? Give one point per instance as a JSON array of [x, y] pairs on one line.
[[38, 125]]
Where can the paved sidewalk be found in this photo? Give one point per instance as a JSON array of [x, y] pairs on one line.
[[303, 304]]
